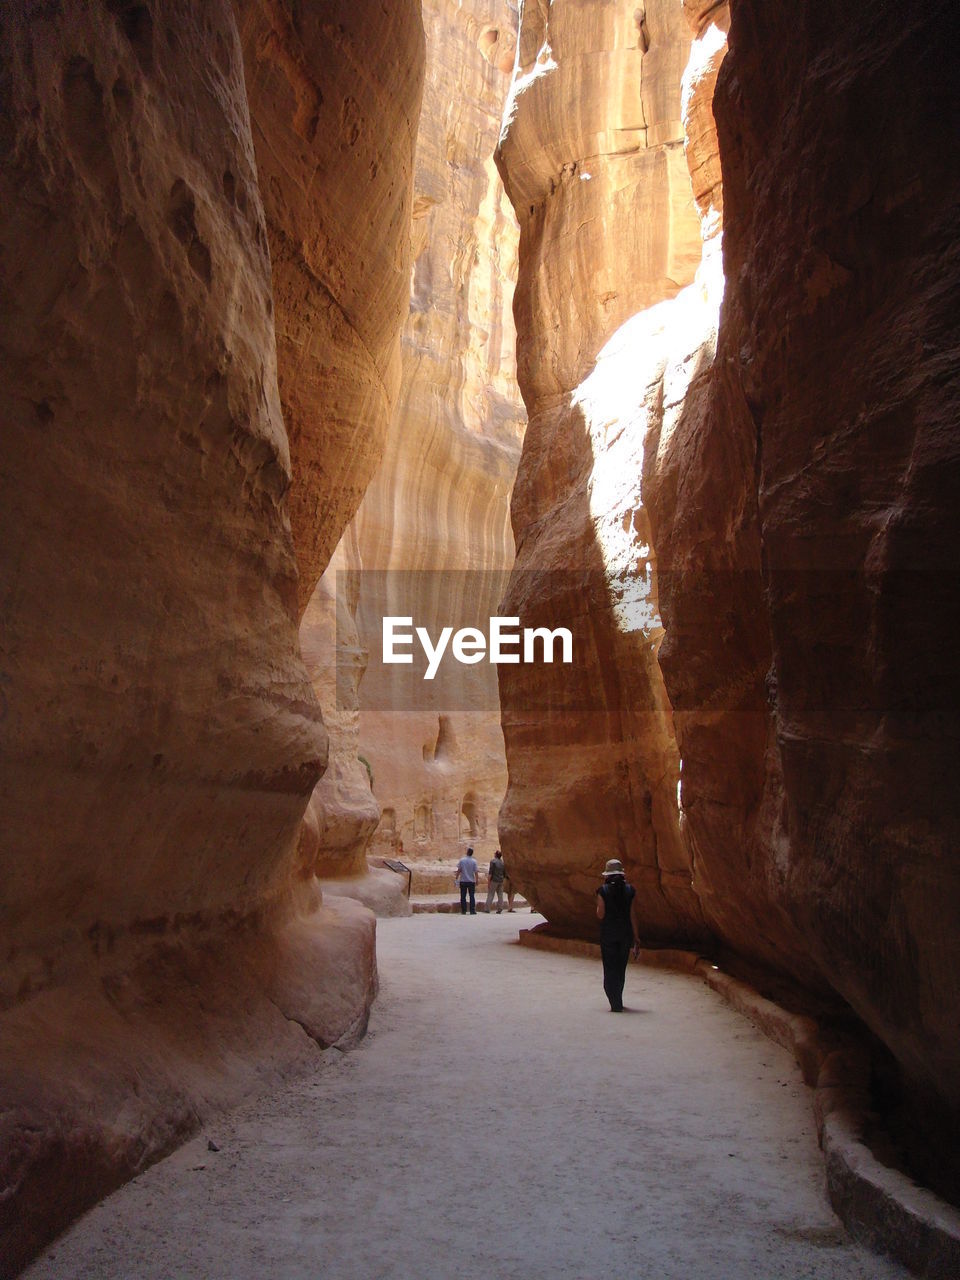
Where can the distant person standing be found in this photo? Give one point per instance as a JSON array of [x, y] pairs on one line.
[[466, 877], [617, 913], [496, 874]]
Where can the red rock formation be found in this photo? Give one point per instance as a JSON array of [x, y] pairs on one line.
[[608, 228], [803, 500], [160, 737], [842, 259], [336, 168], [699, 482], [439, 502], [791, 490], [343, 813]]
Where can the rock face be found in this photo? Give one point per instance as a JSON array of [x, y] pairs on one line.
[[699, 484], [151, 667], [842, 259], [432, 534], [342, 814], [335, 99], [785, 550], [608, 229], [153, 704]]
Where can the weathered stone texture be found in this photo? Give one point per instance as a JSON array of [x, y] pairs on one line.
[[843, 263], [335, 97], [791, 481], [592, 157], [152, 680], [342, 814], [699, 483], [440, 500], [160, 737]]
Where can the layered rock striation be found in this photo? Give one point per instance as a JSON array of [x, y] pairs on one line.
[[164, 951]]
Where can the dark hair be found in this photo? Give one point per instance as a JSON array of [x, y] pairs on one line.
[[469, 850]]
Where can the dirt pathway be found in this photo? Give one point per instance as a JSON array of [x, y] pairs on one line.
[[498, 1122]]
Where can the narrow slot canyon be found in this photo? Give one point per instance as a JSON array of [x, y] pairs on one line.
[[334, 338]]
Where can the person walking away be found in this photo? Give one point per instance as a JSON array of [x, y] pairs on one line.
[[495, 877], [466, 877], [617, 913]]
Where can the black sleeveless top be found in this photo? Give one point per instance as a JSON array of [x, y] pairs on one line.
[[616, 926]]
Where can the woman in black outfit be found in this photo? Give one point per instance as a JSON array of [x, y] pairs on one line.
[[616, 911]]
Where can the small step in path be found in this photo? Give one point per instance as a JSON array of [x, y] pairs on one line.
[[499, 1122]]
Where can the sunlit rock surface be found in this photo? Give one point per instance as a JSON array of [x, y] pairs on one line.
[[790, 477], [439, 501], [608, 230], [164, 950]]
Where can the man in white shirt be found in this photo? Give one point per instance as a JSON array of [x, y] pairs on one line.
[[466, 877]]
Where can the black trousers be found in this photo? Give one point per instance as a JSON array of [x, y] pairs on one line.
[[467, 886], [614, 956]]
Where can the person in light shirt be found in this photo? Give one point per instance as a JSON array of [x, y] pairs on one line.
[[467, 875]]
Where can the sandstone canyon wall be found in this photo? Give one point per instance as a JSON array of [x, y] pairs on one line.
[[771, 499], [335, 169], [160, 738], [343, 813], [842, 260], [593, 160], [432, 537]]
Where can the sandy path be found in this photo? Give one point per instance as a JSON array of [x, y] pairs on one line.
[[498, 1121]]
